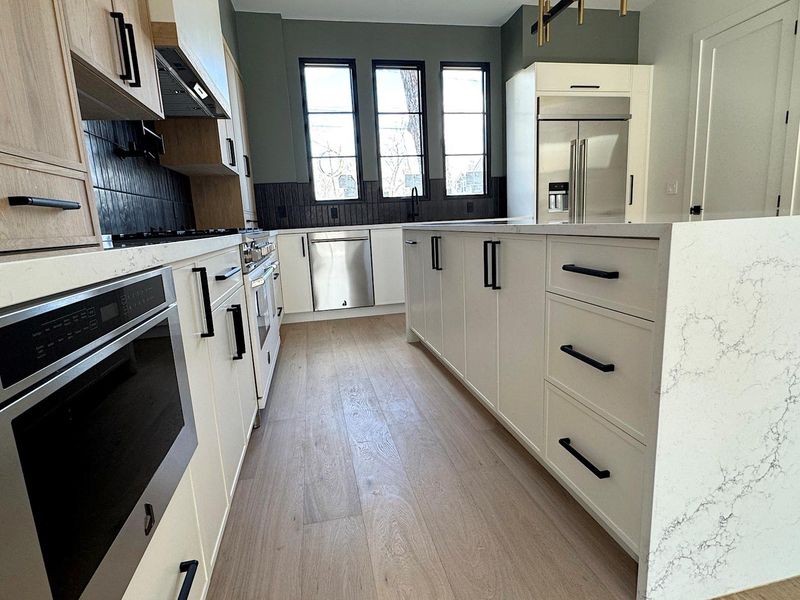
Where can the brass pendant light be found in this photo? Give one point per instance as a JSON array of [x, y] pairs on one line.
[[548, 12], [540, 29], [623, 8], [581, 11], [547, 27]]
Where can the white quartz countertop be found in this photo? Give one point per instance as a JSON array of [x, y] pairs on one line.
[[627, 230], [29, 279], [389, 226]]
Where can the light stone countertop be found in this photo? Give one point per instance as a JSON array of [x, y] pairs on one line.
[[507, 226], [393, 225]]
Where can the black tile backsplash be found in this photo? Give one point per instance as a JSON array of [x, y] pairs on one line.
[[290, 205], [134, 194]]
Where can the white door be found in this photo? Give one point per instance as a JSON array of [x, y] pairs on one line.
[[521, 324], [432, 284], [387, 265], [481, 318], [295, 273], [226, 394], [452, 263], [415, 294], [744, 78]]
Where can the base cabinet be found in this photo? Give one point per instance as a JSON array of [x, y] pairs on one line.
[[295, 273], [387, 265], [432, 290], [176, 540], [451, 256], [414, 253]]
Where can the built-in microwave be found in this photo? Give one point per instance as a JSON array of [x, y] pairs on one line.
[[96, 432]]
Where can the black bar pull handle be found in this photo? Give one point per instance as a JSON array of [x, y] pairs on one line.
[[605, 368], [567, 444], [126, 74], [238, 331], [43, 202], [136, 79], [585, 87], [433, 252], [591, 272], [190, 568], [227, 274], [495, 282], [630, 198], [439, 253], [231, 152], [209, 315], [486, 282], [303, 244], [246, 166], [149, 519]]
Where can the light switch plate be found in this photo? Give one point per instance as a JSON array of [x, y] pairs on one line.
[[672, 188]]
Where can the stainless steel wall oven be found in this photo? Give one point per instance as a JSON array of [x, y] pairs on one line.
[[96, 432]]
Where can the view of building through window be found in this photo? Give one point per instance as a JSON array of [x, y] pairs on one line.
[[331, 127], [465, 99], [399, 102]]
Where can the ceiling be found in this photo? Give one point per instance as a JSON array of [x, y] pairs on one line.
[[435, 12]]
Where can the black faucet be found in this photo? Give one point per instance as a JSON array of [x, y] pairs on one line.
[[413, 209]]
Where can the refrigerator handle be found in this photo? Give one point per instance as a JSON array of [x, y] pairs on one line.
[[573, 180], [582, 176]]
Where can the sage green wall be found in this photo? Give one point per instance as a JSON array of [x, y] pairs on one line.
[[270, 50], [269, 116], [605, 37], [228, 18]]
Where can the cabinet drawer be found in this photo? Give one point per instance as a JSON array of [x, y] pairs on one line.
[[568, 77], [619, 274], [222, 265], [617, 499], [37, 227], [610, 339]]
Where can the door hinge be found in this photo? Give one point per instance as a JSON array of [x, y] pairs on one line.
[[696, 210]]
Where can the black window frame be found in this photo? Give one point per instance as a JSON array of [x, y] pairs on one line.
[[419, 65], [351, 64], [485, 68]]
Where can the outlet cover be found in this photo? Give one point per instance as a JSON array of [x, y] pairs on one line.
[[334, 212], [672, 188], [470, 207]]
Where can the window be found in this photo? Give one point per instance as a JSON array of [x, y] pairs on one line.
[[465, 100], [400, 121], [331, 115]]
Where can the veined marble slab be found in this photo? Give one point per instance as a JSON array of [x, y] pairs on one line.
[[726, 486]]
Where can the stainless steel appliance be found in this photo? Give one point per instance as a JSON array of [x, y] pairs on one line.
[[583, 159], [96, 431], [260, 263], [341, 269]]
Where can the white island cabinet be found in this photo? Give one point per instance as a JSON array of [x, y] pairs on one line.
[[652, 369]]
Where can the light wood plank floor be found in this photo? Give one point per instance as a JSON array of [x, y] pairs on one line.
[[377, 475]]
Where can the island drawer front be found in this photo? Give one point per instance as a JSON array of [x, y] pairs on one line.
[[620, 274], [617, 499], [223, 265], [577, 331]]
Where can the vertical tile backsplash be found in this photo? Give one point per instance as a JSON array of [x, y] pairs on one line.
[[134, 194]]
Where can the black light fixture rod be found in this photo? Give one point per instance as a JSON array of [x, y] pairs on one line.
[[554, 12]]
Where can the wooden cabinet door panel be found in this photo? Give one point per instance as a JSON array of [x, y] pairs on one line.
[[38, 109], [414, 261], [137, 16]]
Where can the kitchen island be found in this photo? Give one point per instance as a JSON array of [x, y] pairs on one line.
[[653, 369]]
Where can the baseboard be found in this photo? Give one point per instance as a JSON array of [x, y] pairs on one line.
[[347, 313]]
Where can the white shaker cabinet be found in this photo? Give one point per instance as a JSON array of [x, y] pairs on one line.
[[451, 256], [415, 294], [521, 331], [432, 286], [481, 316], [174, 549], [387, 266], [295, 273]]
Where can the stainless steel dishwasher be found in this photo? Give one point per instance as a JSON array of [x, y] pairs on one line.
[[341, 269]]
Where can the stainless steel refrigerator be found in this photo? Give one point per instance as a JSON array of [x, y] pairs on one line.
[[583, 159]]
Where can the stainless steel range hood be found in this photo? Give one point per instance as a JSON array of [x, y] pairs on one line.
[[182, 91]]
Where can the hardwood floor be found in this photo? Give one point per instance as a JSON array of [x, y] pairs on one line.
[[377, 475]]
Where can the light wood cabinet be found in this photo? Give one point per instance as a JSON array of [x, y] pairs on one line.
[[206, 465], [199, 146], [175, 541], [114, 59], [387, 265], [295, 273]]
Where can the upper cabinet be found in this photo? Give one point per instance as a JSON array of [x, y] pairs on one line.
[[115, 67], [190, 31]]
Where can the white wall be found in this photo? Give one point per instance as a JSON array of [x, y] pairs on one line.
[[666, 30]]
